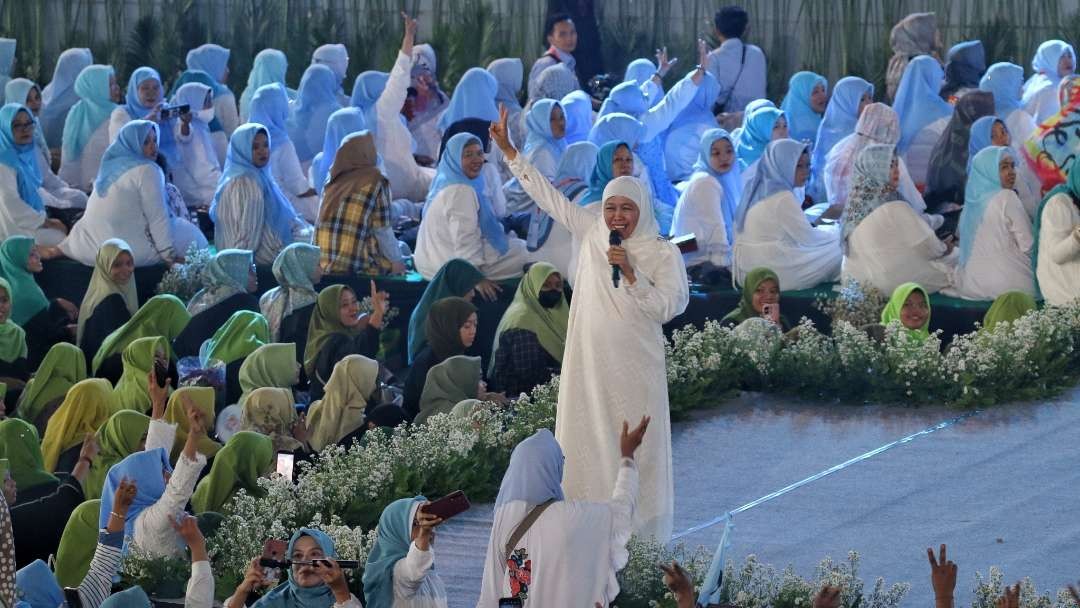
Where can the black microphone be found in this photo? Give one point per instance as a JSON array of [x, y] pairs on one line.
[[615, 239]]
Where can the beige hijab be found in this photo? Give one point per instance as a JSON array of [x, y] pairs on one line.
[[354, 170], [102, 285], [270, 411], [341, 410]]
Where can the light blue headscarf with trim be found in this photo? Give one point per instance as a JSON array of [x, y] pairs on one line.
[[756, 135], [601, 173], [535, 472], [269, 67], [124, 154], [802, 120], [730, 181], [35, 584], [212, 59], [983, 183], [1005, 81], [450, 172], [982, 132], [270, 108], [280, 214], [474, 97], [392, 545], [291, 595], [90, 112], [367, 88], [315, 102], [775, 173], [918, 98], [147, 470], [340, 125], [21, 158], [840, 118], [538, 126], [617, 127]]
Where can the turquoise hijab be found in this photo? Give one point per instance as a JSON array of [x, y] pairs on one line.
[[983, 183], [601, 173], [124, 154], [280, 214], [918, 98], [455, 279], [291, 595], [538, 126], [730, 181], [392, 545], [450, 173], [340, 125], [20, 157], [756, 135], [270, 108], [776, 173], [93, 108], [474, 97], [212, 59], [1004, 80], [315, 102], [803, 121]]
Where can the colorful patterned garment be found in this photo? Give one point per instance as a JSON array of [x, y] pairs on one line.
[[347, 238], [1055, 144]]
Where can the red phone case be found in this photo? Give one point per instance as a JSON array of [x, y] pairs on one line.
[[454, 503]]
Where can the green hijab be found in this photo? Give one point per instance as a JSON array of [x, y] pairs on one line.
[[20, 445], [891, 312], [62, 368], [163, 315], [202, 397], [28, 298], [131, 392], [77, 544], [102, 285], [1007, 308], [246, 457], [271, 365], [444, 322], [448, 384], [12, 337], [1071, 187], [753, 280], [325, 322], [244, 332], [455, 279], [119, 437], [525, 312]]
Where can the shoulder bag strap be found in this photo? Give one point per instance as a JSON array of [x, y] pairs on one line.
[[738, 75], [524, 526]]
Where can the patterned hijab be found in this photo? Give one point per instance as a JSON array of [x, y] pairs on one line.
[[871, 187], [294, 269], [271, 412], [225, 276]]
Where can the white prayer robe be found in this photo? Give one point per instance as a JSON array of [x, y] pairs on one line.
[[893, 245], [242, 223], [545, 161], [777, 235], [416, 584], [80, 173], [393, 139], [225, 112], [1043, 102], [133, 210], [197, 177], [1059, 251], [18, 218], [1001, 253], [917, 156], [1021, 126], [290, 177], [451, 229], [61, 195], [682, 146], [614, 367], [699, 211], [576, 548]]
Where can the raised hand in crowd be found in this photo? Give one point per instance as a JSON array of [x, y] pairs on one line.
[[630, 441], [187, 527], [122, 499], [87, 454], [196, 428], [500, 134], [942, 577], [409, 39], [703, 57], [159, 395]]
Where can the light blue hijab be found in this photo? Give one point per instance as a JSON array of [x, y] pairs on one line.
[[340, 125], [538, 127], [578, 109], [270, 108], [280, 214], [450, 172], [146, 469], [392, 545], [212, 59], [1005, 81], [269, 67], [984, 181], [577, 162], [775, 173], [124, 154], [92, 110], [627, 98], [134, 107], [132, 597], [981, 134], [36, 585], [840, 118], [756, 135], [291, 595], [1045, 64], [367, 88], [699, 110], [617, 127], [315, 102], [16, 90], [7, 60], [21, 158], [474, 97], [803, 121], [730, 181], [601, 173], [918, 98], [59, 95], [640, 70], [535, 472]]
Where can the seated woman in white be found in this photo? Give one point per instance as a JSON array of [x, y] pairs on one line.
[[1057, 241], [764, 125], [1053, 61], [994, 231], [707, 207], [198, 175], [1003, 80], [249, 210], [144, 99], [270, 108], [129, 203], [61, 196], [459, 221], [771, 230], [991, 131], [550, 241], [22, 199], [316, 100], [923, 113], [544, 146], [214, 60], [885, 242], [86, 128]]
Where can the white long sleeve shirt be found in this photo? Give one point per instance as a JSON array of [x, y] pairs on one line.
[[393, 139], [154, 531]]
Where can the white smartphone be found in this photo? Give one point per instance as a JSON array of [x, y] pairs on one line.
[[285, 464]]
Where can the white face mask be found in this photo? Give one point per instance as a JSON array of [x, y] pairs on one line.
[[205, 115]]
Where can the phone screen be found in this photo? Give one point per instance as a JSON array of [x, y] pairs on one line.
[[510, 602], [285, 464]]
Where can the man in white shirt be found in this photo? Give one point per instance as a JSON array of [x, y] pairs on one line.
[[562, 40], [739, 67]]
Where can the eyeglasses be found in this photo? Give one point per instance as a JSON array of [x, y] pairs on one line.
[[22, 126]]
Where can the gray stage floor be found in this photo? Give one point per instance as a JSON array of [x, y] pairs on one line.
[[1001, 489]]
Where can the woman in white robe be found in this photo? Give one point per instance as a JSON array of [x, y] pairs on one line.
[[315, 101], [430, 101], [129, 203], [1057, 241], [214, 60], [991, 131], [1004, 80], [885, 242], [270, 108], [707, 207], [994, 231], [59, 95], [459, 221], [198, 175], [22, 198], [249, 210], [335, 57], [573, 550], [923, 113], [86, 127], [544, 146], [1054, 60], [771, 230], [614, 366]]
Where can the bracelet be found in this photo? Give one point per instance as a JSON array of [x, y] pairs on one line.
[[117, 515]]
